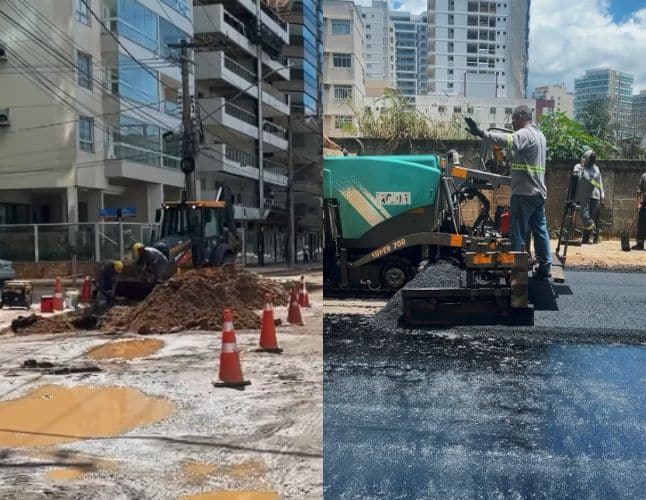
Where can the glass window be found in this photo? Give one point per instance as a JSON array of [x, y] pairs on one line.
[[169, 33], [86, 134], [457, 109], [342, 60], [136, 83], [180, 6], [340, 27], [137, 133], [84, 67], [341, 121], [343, 91], [83, 14], [137, 23]]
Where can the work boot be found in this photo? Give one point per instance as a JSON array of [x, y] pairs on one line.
[[597, 239], [638, 246], [543, 271]]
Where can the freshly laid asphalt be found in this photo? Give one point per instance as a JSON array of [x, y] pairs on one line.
[[557, 410]]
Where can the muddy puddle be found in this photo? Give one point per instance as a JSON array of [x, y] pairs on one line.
[[66, 474], [195, 472], [126, 349], [53, 414], [234, 495]]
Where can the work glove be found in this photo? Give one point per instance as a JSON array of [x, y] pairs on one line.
[[473, 127]]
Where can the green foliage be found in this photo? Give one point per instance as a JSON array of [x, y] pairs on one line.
[[568, 140], [596, 119]]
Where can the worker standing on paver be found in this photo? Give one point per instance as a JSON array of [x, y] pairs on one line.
[[152, 260], [528, 190], [589, 214], [641, 220]]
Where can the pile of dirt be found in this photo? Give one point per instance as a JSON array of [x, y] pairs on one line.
[[34, 324], [196, 299]]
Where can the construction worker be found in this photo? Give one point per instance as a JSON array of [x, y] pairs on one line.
[[588, 170], [108, 277], [641, 220], [152, 260], [528, 190]]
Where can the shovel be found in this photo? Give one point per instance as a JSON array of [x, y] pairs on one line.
[[625, 235]]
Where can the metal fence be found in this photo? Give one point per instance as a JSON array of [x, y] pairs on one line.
[[83, 241]]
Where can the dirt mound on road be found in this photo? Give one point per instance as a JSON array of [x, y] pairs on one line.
[[196, 299], [34, 324]]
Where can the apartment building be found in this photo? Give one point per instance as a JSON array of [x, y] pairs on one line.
[[487, 112], [379, 46], [88, 89], [227, 76], [410, 52], [607, 83], [639, 116], [478, 48], [563, 101], [344, 67]]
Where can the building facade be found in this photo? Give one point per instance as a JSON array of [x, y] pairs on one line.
[[563, 101], [478, 48], [228, 77], [607, 83], [639, 116], [379, 46], [89, 89], [410, 52], [344, 67]]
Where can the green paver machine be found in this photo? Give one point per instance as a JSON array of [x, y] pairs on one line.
[[387, 216]]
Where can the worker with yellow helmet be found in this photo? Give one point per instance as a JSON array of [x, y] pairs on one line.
[[108, 278], [152, 260]]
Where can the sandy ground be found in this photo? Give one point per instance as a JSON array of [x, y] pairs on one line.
[[267, 438], [605, 255]]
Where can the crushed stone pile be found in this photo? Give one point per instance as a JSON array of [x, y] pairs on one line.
[[439, 275], [196, 299]]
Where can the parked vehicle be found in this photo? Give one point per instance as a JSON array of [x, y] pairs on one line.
[[7, 272]]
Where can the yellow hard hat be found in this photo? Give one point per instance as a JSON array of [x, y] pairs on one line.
[[118, 266], [137, 247]]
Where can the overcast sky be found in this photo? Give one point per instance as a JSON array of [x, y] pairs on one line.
[[566, 37]]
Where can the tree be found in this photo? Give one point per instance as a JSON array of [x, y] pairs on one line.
[[596, 118], [568, 140]]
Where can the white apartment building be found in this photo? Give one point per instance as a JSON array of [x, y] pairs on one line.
[[563, 100], [486, 112], [478, 48], [87, 107], [411, 50], [226, 79], [379, 46], [344, 66]]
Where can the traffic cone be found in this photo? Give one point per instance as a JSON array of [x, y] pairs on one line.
[[303, 298], [268, 342], [230, 371], [294, 312], [58, 295], [86, 291]]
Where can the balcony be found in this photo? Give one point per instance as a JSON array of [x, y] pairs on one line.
[[269, 18], [243, 123], [229, 160], [224, 70], [134, 162], [215, 19]]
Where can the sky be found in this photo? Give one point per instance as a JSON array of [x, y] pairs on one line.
[[566, 37]]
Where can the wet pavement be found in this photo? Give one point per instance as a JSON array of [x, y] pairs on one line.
[[553, 411]]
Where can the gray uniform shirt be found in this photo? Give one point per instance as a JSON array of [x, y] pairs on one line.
[[593, 175], [528, 148], [641, 188]]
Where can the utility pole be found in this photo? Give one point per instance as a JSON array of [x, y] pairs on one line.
[[291, 223], [260, 149]]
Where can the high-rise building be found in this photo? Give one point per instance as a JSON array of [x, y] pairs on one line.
[[478, 48], [227, 80], [410, 52], [607, 83], [379, 43], [344, 67], [639, 116], [305, 123], [88, 89], [563, 100]]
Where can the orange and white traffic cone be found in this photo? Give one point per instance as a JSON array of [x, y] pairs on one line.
[[303, 298], [58, 295], [230, 371], [268, 342], [294, 316], [86, 291]]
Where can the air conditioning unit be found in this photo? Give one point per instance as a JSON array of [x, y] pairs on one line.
[[4, 117]]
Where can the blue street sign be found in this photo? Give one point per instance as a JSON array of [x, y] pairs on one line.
[[116, 212]]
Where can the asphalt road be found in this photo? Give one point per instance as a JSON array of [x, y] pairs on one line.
[[553, 411]]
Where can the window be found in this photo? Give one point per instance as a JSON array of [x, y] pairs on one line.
[[470, 110], [342, 60], [135, 82], [86, 134], [441, 109], [341, 121], [492, 111], [83, 12], [368, 36], [340, 27], [457, 109], [84, 67], [367, 26], [449, 85], [135, 22], [507, 111]]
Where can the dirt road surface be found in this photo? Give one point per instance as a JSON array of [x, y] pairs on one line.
[[154, 426]]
